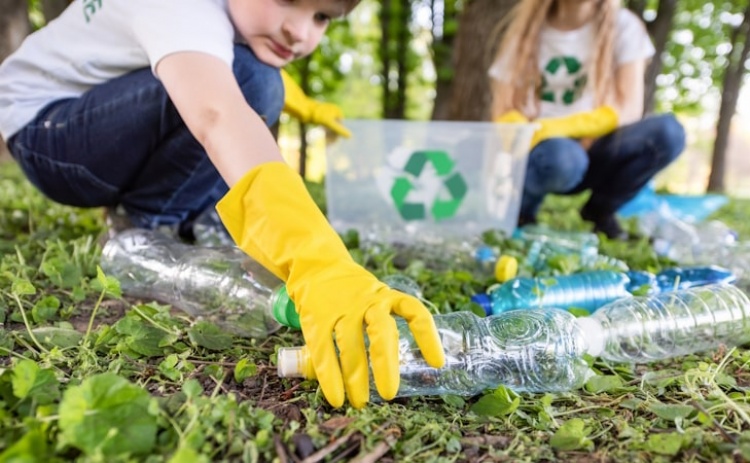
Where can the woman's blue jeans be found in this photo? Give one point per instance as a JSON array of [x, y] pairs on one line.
[[615, 168], [123, 143]]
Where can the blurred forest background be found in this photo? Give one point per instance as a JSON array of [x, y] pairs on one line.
[[427, 59]]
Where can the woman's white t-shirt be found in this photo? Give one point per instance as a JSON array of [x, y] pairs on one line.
[[565, 58]]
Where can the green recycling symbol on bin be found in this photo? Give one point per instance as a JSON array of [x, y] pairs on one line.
[[448, 185]]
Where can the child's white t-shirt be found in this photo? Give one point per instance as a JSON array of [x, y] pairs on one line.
[[565, 58], [94, 41]]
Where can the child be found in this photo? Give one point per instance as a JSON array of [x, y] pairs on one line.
[[160, 107], [577, 68]]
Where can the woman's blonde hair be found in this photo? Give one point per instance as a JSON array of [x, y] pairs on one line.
[[519, 49]]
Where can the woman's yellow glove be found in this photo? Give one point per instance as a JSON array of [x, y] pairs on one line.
[[588, 124], [271, 216], [300, 106]]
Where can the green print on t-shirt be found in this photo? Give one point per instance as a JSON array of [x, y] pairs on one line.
[[563, 80], [90, 7]]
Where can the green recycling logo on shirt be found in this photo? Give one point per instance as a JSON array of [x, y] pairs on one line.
[[563, 80], [425, 183], [90, 7]]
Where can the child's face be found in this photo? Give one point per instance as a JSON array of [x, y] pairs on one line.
[[280, 31]]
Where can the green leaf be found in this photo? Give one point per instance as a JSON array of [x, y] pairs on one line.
[[453, 400], [244, 369], [106, 413], [192, 388], [665, 444], [209, 336], [22, 287], [31, 448], [502, 401], [142, 337], [670, 412], [603, 383], [45, 308], [53, 336], [186, 454], [30, 381], [62, 272], [110, 285], [572, 435]]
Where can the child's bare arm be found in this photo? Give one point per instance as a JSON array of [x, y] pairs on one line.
[[207, 96], [629, 88]]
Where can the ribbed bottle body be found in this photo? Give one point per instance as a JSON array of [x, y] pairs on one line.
[[220, 284], [534, 350], [643, 329]]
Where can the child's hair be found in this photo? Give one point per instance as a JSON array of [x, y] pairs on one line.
[[349, 5], [520, 48]]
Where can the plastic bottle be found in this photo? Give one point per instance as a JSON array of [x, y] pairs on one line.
[[542, 350], [534, 350], [683, 242], [667, 325], [585, 290], [676, 278], [220, 284]]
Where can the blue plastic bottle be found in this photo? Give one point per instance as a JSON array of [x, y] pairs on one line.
[[585, 290], [677, 278], [687, 277]]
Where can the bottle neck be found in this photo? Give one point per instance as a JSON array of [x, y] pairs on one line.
[[594, 335]]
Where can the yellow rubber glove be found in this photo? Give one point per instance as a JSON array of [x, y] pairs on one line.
[[588, 124], [271, 216], [300, 106]]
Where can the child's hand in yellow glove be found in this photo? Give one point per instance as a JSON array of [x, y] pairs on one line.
[[300, 106], [271, 216], [588, 124]]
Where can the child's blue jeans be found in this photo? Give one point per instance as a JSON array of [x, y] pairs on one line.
[[123, 143], [615, 168]]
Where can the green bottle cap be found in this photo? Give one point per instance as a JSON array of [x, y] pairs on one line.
[[283, 308]]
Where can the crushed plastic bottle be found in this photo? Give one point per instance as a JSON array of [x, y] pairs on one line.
[[542, 350], [219, 284], [585, 290]]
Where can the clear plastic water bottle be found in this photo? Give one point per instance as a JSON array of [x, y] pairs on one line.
[[544, 244], [585, 290], [684, 242], [542, 350], [219, 284], [667, 325], [534, 350]]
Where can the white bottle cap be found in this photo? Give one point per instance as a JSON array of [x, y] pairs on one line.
[[593, 335], [290, 362]]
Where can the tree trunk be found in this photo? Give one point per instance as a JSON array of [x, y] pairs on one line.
[[385, 56], [442, 57], [659, 30], [637, 7], [474, 51], [304, 83], [52, 8], [729, 95], [394, 52], [14, 27]]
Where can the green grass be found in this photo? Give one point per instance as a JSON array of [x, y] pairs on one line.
[[87, 375]]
